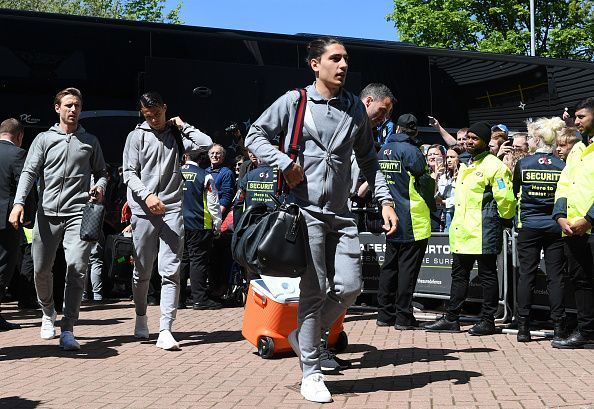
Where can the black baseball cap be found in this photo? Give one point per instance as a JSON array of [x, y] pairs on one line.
[[408, 121]]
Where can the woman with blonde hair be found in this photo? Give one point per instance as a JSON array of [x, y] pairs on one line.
[[535, 182], [542, 133]]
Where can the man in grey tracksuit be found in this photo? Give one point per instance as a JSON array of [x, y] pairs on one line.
[[63, 158], [151, 167], [335, 124]]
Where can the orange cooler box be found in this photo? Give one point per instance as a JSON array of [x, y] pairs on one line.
[[268, 319]]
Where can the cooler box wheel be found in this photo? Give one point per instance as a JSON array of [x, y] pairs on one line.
[[266, 347]]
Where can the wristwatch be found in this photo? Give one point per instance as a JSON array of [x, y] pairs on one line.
[[389, 203]]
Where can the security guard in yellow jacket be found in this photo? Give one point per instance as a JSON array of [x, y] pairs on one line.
[[574, 212], [484, 203]]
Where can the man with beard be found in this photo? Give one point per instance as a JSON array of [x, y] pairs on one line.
[[484, 203], [574, 212], [63, 158]]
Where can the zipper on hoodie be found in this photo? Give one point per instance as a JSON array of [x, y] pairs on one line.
[[159, 159], [68, 136], [328, 160], [329, 152], [325, 179]]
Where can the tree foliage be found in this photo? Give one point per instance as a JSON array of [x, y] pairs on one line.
[[139, 10], [563, 28]]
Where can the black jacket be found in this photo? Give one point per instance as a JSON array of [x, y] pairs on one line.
[[535, 183], [12, 159]]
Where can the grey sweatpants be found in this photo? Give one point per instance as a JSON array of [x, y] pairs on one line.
[[48, 232], [162, 236], [331, 282]]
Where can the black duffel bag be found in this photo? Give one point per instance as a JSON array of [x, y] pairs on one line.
[[271, 242]]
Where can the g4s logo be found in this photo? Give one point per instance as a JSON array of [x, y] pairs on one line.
[[544, 160]]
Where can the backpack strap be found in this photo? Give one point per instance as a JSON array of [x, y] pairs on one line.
[[296, 138]]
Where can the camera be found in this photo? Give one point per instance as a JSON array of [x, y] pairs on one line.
[[431, 120], [232, 127]]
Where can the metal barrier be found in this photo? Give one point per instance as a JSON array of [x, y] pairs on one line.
[[435, 276]]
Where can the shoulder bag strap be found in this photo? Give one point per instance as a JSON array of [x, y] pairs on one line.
[[295, 141]]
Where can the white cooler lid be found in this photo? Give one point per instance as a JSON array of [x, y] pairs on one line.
[[280, 289]]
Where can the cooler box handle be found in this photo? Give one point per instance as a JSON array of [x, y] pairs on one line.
[[260, 299]]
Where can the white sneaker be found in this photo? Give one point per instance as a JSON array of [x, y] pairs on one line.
[[68, 342], [48, 331], [141, 330], [314, 389], [167, 342]]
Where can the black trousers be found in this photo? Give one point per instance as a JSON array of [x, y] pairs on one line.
[[487, 273], [397, 281], [530, 244], [195, 264], [579, 251], [220, 266], [23, 284], [9, 245]]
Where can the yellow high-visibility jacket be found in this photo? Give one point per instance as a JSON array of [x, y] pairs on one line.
[[28, 235], [574, 197], [484, 195]]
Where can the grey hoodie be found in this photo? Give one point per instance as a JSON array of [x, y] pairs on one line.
[[332, 130], [151, 165], [64, 164]]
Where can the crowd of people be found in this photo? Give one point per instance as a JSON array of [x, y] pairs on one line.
[[184, 193]]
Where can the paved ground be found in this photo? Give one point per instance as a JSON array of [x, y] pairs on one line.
[[216, 368]]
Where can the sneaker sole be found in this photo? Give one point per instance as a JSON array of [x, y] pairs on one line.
[[70, 348], [482, 335], [316, 400], [406, 328], [329, 370], [171, 348], [48, 338], [449, 331], [340, 368], [583, 346]]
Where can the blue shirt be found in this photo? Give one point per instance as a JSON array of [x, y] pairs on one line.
[[224, 179]]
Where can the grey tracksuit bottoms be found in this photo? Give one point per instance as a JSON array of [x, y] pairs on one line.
[[48, 232], [162, 236], [331, 283]]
